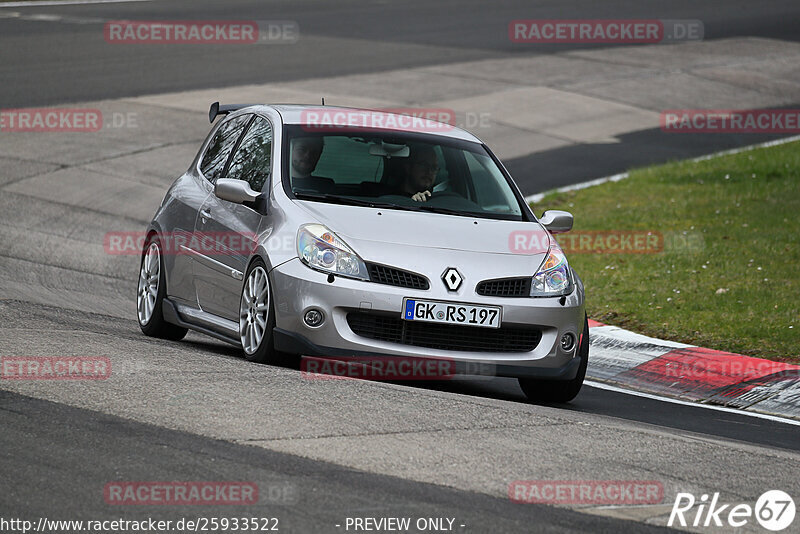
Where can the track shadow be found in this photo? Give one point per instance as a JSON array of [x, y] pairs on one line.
[[582, 162]]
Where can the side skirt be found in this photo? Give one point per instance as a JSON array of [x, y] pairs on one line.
[[201, 321]]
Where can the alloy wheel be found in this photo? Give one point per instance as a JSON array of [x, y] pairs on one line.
[[148, 284], [253, 310]]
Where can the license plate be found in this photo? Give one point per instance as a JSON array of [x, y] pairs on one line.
[[430, 311]]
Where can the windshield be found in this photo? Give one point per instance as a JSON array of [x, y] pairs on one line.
[[397, 171]]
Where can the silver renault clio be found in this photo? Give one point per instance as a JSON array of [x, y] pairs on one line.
[[338, 233]]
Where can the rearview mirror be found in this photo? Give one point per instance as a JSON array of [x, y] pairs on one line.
[[237, 191], [557, 221], [391, 150]]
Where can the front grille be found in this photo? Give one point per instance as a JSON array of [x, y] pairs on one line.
[[505, 287], [443, 336], [381, 274]]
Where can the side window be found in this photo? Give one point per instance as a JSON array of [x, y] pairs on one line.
[[220, 147], [487, 180], [442, 177], [252, 159], [486, 188]]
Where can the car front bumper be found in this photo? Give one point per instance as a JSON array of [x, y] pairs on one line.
[[297, 288]]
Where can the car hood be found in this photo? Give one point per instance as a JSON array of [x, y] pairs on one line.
[[430, 230]]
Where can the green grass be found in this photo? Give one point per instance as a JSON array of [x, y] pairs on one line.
[[729, 275]]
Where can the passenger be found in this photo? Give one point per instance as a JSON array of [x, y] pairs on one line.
[[305, 154]]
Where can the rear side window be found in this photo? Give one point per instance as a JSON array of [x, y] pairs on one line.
[[220, 147], [251, 162]]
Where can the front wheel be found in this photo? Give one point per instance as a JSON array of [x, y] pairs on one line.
[[150, 295], [559, 390], [256, 316]]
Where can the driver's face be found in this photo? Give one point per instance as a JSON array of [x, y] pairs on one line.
[[305, 154], [423, 171]]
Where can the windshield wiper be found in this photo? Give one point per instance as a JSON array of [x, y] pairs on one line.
[[465, 213], [336, 199], [448, 211], [350, 201]]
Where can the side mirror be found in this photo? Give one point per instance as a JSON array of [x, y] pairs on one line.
[[556, 221], [237, 191]]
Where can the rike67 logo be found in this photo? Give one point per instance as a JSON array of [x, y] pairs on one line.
[[774, 510]]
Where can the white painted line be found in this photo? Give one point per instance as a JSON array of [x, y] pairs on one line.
[[537, 197], [574, 187], [600, 385], [65, 3], [751, 147]]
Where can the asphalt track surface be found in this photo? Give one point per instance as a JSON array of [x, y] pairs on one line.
[[57, 62], [47, 62], [195, 411], [42, 478]]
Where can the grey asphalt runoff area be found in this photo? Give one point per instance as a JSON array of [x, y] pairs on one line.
[[572, 112], [194, 410], [62, 472]]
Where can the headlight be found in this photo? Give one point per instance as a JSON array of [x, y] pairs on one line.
[[553, 278], [321, 249]]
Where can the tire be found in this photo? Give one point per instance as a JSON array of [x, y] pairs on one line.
[[257, 315], [547, 391], [150, 295]]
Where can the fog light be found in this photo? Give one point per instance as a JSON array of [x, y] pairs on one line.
[[313, 318], [567, 342]]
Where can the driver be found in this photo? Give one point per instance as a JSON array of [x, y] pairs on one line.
[[420, 170]]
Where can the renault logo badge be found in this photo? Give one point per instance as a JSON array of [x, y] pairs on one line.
[[452, 279]]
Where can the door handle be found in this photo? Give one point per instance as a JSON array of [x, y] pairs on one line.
[[205, 214]]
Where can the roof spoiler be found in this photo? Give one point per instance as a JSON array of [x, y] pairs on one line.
[[216, 109]]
